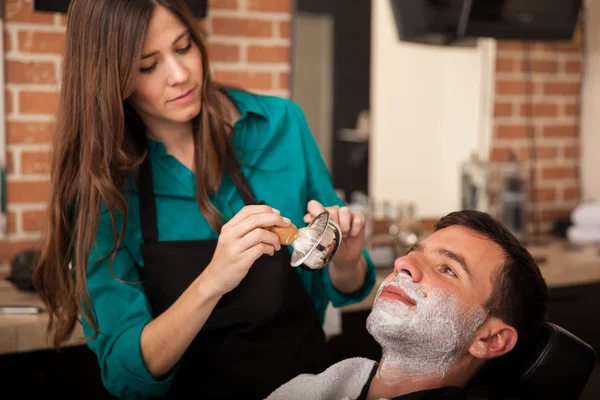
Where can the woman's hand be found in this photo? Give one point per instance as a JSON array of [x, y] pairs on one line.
[[241, 242], [352, 225]]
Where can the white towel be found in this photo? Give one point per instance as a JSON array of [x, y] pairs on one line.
[[342, 381], [586, 214], [332, 326], [579, 234]]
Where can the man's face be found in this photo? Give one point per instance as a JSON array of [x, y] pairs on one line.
[[430, 307]]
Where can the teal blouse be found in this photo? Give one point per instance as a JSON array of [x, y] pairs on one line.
[[283, 166]]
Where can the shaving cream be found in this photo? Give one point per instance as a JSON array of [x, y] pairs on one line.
[[424, 339], [306, 240]]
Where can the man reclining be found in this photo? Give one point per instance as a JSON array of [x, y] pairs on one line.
[[462, 296]]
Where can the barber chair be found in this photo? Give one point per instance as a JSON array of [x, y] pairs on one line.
[[554, 365]]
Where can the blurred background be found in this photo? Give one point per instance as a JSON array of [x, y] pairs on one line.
[[419, 108]]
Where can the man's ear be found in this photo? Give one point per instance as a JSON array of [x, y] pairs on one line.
[[494, 339]]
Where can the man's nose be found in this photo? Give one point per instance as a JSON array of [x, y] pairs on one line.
[[409, 265]]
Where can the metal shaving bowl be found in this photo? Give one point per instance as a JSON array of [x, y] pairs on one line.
[[324, 249]]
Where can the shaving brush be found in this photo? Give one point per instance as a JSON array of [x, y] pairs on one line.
[[286, 235]]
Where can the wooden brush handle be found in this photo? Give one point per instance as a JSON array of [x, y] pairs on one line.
[[286, 235]]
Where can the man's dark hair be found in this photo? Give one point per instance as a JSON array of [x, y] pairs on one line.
[[519, 293]]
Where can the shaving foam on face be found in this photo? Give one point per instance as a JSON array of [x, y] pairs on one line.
[[424, 339], [306, 240]]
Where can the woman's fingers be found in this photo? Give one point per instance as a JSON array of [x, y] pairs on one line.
[[345, 220], [315, 208], [248, 211], [258, 236], [358, 223], [255, 221]]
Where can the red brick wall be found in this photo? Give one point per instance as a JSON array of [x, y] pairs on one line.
[[248, 45], [555, 86]]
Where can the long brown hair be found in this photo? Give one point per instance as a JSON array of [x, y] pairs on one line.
[[98, 145]]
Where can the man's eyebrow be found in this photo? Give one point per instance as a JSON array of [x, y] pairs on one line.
[[175, 41], [420, 248], [456, 257], [417, 248]]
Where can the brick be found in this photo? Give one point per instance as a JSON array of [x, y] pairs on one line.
[[545, 195], [246, 80], [561, 88], [509, 45], [223, 4], [35, 162], [573, 67], [501, 154], [223, 52], [516, 87], [553, 215], [570, 193], [539, 109], [12, 222], [284, 80], [42, 42], [7, 42], [8, 99], [22, 11], [541, 153], [511, 131], [9, 249], [503, 109], [554, 173], [284, 29], [10, 162], [268, 54], [572, 110], [27, 192], [38, 102], [505, 65], [30, 72], [571, 152], [269, 5], [543, 66], [560, 131], [242, 27], [29, 132], [34, 221], [64, 19]]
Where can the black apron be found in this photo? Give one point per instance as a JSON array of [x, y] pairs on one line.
[[260, 335]]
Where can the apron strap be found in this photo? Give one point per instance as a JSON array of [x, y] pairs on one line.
[[148, 219], [147, 203]]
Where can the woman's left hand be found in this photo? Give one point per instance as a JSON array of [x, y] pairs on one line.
[[352, 225]]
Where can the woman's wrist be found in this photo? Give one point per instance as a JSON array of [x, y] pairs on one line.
[[206, 289], [348, 265], [348, 276]]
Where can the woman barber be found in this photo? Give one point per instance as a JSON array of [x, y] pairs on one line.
[[164, 185]]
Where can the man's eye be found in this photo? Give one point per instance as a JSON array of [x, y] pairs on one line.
[[449, 271]]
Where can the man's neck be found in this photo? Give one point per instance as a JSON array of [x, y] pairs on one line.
[[389, 383], [393, 380]]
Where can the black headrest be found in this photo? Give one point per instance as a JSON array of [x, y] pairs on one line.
[[555, 364]]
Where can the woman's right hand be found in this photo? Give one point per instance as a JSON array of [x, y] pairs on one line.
[[241, 242]]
